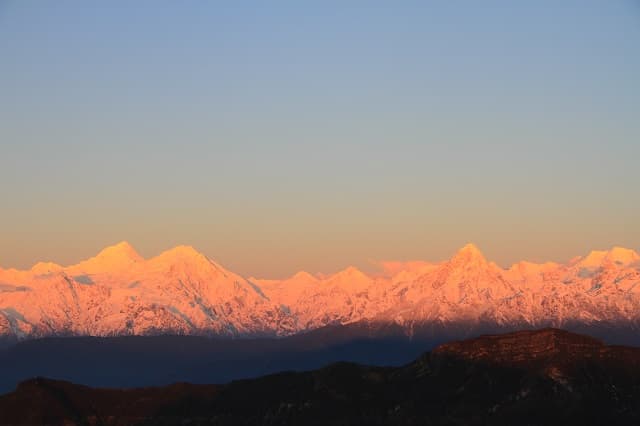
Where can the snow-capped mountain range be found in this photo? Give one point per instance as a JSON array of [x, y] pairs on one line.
[[181, 291]]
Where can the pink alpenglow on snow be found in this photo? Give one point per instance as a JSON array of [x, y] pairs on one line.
[[118, 292]]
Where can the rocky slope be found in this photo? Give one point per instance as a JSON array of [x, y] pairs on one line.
[[182, 291], [545, 377]]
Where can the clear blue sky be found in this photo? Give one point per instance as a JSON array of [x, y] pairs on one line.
[[284, 136]]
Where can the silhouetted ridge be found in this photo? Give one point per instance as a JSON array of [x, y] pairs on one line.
[[524, 347], [490, 380]]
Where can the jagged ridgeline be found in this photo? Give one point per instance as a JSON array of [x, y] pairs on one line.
[[181, 291]]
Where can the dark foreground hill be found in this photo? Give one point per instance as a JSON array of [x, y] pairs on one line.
[[143, 361], [525, 378]]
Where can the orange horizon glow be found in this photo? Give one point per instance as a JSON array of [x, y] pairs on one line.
[[305, 136]]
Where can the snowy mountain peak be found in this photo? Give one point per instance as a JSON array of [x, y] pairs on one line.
[[351, 273], [303, 277], [593, 259], [622, 256], [42, 268], [122, 246], [118, 252], [350, 279], [468, 254], [110, 259], [617, 255], [183, 251], [184, 257]]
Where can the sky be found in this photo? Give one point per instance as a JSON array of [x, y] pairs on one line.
[[282, 136]]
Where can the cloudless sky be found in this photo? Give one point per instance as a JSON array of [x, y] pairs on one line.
[[277, 136]]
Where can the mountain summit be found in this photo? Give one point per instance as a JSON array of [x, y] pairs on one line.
[[468, 254], [616, 255], [111, 259], [182, 255], [622, 256]]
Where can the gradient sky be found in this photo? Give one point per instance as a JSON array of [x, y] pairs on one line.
[[281, 136]]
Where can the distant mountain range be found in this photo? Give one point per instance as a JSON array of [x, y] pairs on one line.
[[181, 291], [542, 377]]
